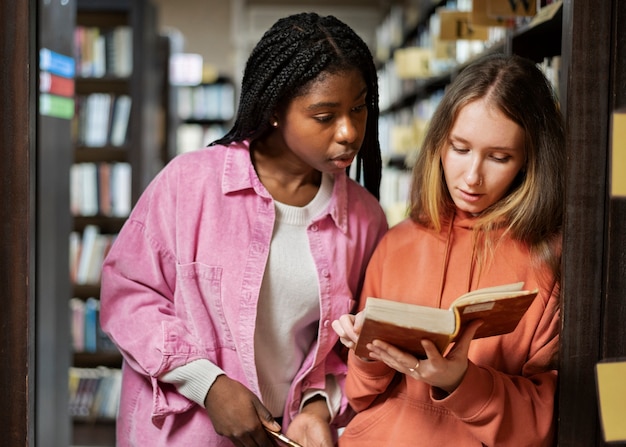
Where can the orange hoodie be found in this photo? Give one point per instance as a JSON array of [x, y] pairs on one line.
[[507, 395]]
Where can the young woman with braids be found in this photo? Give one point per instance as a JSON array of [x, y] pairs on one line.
[[486, 210], [222, 285]]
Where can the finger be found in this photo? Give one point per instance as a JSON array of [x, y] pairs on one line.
[[392, 356], [344, 327], [265, 416], [340, 331], [358, 321], [463, 343]]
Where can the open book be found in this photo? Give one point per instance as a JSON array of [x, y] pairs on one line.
[[404, 325]]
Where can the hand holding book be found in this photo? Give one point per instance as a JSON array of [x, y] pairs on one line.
[[404, 325]]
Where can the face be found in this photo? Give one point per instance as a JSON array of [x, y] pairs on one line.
[[324, 128], [483, 155]]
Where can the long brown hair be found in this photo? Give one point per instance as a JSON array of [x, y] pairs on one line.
[[532, 211]]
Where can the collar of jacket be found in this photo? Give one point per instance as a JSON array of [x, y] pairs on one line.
[[239, 174]]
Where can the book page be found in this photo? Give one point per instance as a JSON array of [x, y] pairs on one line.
[[404, 325], [488, 292]]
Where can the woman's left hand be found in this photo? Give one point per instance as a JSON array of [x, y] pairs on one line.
[[436, 370], [310, 428]]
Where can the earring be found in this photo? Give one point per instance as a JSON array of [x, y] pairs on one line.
[[274, 123]]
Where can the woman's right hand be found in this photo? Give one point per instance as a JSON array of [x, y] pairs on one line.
[[348, 327], [238, 414]]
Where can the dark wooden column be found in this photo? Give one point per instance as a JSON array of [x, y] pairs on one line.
[[594, 263], [17, 148]]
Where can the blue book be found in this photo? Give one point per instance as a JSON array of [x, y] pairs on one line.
[[56, 63], [92, 310]]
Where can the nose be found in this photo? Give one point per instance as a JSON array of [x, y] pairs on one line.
[[474, 177], [347, 131]]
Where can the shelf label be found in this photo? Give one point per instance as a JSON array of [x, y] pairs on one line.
[[56, 106], [56, 63]]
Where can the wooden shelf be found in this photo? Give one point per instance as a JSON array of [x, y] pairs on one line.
[[95, 359]]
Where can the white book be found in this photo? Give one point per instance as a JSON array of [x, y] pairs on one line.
[[88, 246], [121, 117], [123, 44], [121, 187], [89, 189], [76, 189]]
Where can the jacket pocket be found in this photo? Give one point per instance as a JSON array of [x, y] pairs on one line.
[[198, 301]]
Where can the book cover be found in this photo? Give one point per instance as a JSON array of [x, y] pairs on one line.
[[404, 324]]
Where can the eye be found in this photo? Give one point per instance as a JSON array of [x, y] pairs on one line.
[[323, 118], [460, 150], [500, 158], [360, 108]]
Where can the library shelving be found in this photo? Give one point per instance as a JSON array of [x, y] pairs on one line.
[[119, 139], [203, 112], [37, 154], [421, 46]]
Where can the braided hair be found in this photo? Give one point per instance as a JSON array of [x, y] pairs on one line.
[[284, 63]]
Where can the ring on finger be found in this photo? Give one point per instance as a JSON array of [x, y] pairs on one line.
[[417, 365]]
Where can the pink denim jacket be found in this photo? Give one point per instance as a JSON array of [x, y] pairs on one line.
[[182, 282]]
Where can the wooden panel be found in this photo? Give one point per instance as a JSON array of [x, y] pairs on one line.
[[16, 251], [586, 62], [54, 158], [614, 334]]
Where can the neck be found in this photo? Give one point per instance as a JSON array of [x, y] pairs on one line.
[[287, 180]]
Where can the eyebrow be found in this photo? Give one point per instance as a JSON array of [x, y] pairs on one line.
[[320, 105]]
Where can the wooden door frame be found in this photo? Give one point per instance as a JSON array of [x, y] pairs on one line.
[[594, 240], [593, 268], [17, 189]]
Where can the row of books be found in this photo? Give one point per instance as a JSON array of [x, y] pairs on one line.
[[404, 17], [190, 137], [87, 334], [100, 189], [103, 52], [402, 132], [102, 119], [214, 102], [87, 251], [94, 393], [551, 67]]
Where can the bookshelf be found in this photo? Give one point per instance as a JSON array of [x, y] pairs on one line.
[[593, 51], [203, 112], [119, 135], [417, 58]]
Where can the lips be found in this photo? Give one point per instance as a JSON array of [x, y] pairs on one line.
[[470, 197], [343, 161]]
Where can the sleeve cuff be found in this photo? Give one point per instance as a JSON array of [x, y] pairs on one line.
[[194, 379], [331, 393]]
